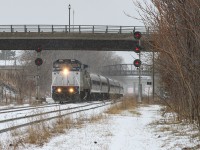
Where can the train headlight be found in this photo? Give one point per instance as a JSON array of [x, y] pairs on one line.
[[59, 90], [65, 71], [71, 90]]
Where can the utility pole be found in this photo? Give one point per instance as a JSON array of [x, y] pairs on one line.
[[139, 85], [153, 90], [37, 85], [69, 16], [73, 31], [73, 20], [38, 62], [137, 63]]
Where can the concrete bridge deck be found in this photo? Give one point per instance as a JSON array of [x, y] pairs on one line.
[[59, 37]]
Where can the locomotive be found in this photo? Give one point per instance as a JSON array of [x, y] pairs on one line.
[[72, 82]]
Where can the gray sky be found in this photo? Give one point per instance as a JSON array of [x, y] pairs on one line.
[[86, 12]]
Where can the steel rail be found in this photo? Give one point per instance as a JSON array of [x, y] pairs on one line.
[[26, 108], [30, 107], [46, 119], [12, 108]]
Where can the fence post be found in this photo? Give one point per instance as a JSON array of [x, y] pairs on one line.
[[52, 28], [93, 29]]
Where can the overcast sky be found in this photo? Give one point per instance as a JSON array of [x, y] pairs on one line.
[[86, 12]]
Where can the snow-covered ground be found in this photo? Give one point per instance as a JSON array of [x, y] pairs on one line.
[[40, 109], [141, 129]]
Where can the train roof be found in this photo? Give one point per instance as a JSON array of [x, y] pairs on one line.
[[67, 61]]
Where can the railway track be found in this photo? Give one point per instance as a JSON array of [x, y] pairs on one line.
[[72, 109], [18, 109], [8, 110]]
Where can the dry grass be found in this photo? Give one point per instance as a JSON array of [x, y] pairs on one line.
[[109, 134], [15, 131], [97, 118], [62, 124], [164, 129], [80, 120], [38, 134], [149, 100], [134, 112], [127, 103], [195, 135], [15, 144], [164, 122], [1, 146]]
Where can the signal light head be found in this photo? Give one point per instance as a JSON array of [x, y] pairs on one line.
[[137, 49], [137, 63], [38, 49], [38, 61], [137, 35]]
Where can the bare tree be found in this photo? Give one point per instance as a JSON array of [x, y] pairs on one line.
[[176, 35]]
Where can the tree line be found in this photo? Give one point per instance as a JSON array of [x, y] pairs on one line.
[[176, 38]]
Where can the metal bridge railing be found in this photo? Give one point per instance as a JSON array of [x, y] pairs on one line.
[[72, 29], [125, 70]]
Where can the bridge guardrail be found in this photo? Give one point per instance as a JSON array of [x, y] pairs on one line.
[[72, 29], [14, 67]]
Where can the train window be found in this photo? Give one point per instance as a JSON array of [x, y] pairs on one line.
[[60, 60], [66, 63], [104, 84], [95, 82], [75, 65]]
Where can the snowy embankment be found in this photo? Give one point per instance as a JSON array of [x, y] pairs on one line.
[[130, 130]]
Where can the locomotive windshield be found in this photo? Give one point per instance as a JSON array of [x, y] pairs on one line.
[[71, 64]]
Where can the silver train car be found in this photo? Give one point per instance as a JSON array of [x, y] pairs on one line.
[[72, 82]]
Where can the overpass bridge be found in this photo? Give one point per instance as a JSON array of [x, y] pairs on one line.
[[78, 37], [125, 70], [129, 74]]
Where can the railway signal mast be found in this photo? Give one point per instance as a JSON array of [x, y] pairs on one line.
[[38, 62], [137, 63]]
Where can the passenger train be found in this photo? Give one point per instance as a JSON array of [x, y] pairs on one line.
[[72, 82]]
